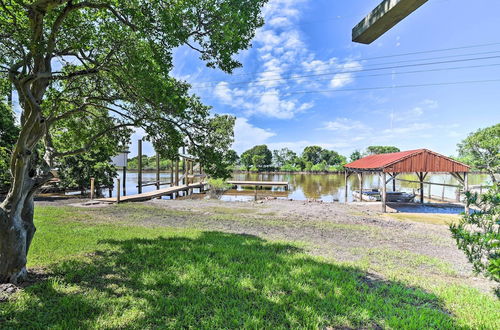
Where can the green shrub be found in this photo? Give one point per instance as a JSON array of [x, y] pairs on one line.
[[478, 234], [289, 168]]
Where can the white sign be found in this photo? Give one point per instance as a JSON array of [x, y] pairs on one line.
[[120, 160]]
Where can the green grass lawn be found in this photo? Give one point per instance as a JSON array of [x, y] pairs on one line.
[[116, 276]]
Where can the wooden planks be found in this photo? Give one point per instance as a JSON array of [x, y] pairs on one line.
[[153, 194], [259, 183]]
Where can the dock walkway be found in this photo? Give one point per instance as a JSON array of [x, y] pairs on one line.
[[154, 194], [260, 183]]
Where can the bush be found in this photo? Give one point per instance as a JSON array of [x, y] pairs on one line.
[[478, 234], [217, 187], [5, 176], [289, 168]]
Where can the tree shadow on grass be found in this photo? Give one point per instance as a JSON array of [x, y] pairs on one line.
[[218, 280]]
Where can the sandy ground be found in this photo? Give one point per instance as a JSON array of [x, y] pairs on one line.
[[345, 232]]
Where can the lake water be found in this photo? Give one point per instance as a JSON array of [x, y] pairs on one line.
[[325, 187]]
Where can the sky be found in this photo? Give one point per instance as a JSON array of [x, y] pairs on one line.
[[304, 82]]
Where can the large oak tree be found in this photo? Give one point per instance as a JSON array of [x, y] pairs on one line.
[[87, 69]]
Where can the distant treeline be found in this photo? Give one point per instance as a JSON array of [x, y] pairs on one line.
[[312, 159]]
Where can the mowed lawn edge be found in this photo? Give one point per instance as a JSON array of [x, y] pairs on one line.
[[111, 276]]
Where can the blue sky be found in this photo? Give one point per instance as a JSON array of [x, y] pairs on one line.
[[304, 82]]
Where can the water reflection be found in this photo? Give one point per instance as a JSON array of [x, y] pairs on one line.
[[325, 187]]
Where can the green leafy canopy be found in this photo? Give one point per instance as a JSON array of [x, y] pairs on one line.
[[87, 70]]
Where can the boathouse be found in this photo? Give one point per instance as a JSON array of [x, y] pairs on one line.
[[419, 161]]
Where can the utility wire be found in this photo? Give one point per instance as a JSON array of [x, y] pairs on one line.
[[384, 87], [388, 56], [356, 71]]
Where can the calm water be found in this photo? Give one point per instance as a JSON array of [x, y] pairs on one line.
[[325, 187]]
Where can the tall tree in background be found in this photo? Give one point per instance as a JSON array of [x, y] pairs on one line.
[[264, 157], [481, 150], [283, 156], [356, 154], [375, 150], [8, 135], [103, 66]]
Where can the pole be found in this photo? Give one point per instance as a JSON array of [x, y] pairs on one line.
[[157, 171], [394, 181], [429, 193], [117, 191], [171, 173], [124, 180], [360, 177], [466, 189], [92, 188], [384, 193], [176, 172], [139, 175], [345, 193], [421, 179]]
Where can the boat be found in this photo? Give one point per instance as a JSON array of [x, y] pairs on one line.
[[373, 195]]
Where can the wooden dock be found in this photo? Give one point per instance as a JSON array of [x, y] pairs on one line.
[[260, 183], [155, 193]]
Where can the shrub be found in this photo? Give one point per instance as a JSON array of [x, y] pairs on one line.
[[289, 168], [478, 234], [217, 187]]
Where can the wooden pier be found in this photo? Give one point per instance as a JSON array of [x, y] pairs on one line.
[[155, 193], [260, 183]]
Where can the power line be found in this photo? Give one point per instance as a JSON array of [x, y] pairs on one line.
[[356, 71], [387, 56], [384, 87]]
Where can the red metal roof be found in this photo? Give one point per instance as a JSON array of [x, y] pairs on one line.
[[419, 160]]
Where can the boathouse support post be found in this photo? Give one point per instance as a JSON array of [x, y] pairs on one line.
[[346, 175], [384, 193], [466, 189], [360, 179], [394, 181], [139, 165]]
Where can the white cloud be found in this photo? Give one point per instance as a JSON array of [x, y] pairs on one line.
[[223, 92], [341, 79], [280, 49], [343, 124], [416, 127], [246, 135]]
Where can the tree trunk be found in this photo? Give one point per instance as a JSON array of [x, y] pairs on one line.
[[16, 224]]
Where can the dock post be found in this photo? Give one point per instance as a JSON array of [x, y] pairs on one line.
[[124, 180], [157, 171], [429, 191], [171, 173], [139, 164], [92, 188], [384, 193], [394, 181], [117, 191], [442, 194]]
